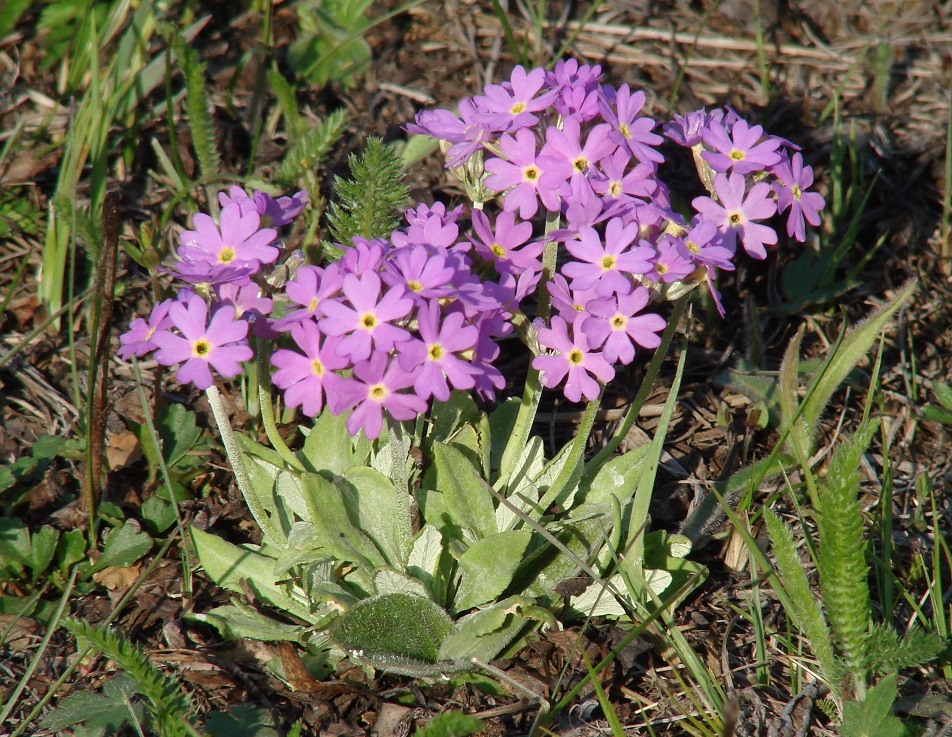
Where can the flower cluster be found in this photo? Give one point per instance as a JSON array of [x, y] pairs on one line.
[[582, 152], [400, 320]]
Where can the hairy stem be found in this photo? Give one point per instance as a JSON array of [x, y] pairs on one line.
[[238, 466], [266, 407]]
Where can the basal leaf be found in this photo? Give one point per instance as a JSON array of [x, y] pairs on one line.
[[468, 502], [488, 566], [124, 546]]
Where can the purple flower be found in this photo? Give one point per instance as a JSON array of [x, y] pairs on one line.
[[703, 244], [615, 325], [686, 130], [240, 241], [309, 288], [510, 106], [578, 89], [566, 145], [249, 304], [574, 358], [419, 270], [205, 275], [467, 133], [570, 304], [736, 212], [137, 341], [433, 359], [366, 322], [739, 151], [505, 247], [375, 387], [433, 228], [616, 184], [306, 378], [670, 263], [219, 344], [793, 179], [364, 255], [605, 265], [276, 212], [526, 175], [632, 131]]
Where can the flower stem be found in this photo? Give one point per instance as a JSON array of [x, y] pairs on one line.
[[266, 408], [532, 392], [647, 383], [271, 533], [571, 472], [401, 485]]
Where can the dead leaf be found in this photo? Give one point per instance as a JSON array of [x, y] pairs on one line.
[[122, 450], [117, 579]]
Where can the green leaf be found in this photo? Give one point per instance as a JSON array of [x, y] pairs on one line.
[[502, 422], [71, 549], [873, 716], [488, 566], [15, 541], [124, 546], [447, 417], [806, 612], [469, 503], [487, 632], [424, 559], [239, 568], [451, 724], [335, 528], [943, 392], [106, 713], [243, 720], [235, 622], [853, 348], [618, 478], [329, 447], [390, 629], [842, 561], [42, 549], [178, 431], [158, 514], [373, 508]]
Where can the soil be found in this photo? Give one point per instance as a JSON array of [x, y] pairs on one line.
[[880, 72]]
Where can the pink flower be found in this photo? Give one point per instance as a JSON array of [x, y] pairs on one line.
[[241, 240], [615, 325], [574, 358], [433, 360], [219, 344], [605, 264], [306, 378], [528, 177], [365, 322], [738, 210], [793, 179], [375, 387], [740, 150]]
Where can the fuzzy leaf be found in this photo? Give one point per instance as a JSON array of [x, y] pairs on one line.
[[467, 500], [124, 546], [389, 626], [488, 566], [888, 653], [107, 711], [873, 716], [855, 345], [806, 612], [373, 508], [367, 205], [842, 563], [310, 150]]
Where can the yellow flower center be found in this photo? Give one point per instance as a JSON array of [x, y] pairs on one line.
[[226, 255], [414, 286], [618, 322], [368, 321], [580, 164], [201, 348], [614, 189], [435, 352], [312, 305], [378, 392], [498, 251], [531, 173], [735, 218], [625, 130], [661, 268], [608, 262], [317, 367], [737, 155], [518, 108], [576, 357], [692, 246], [796, 191]]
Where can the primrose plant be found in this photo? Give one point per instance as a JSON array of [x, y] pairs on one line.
[[423, 562]]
